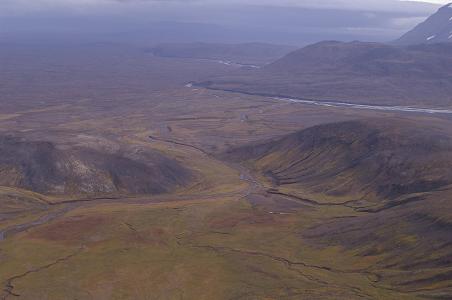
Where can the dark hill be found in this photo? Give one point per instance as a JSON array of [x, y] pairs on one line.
[[356, 72], [391, 179], [359, 160], [44, 168]]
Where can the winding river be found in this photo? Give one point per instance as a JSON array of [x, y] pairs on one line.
[[369, 107]]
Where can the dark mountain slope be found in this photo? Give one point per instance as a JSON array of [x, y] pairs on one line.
[[371, 162], [408, 246], [44, 168], [395, 180], [367, 59], [353, 72], [436, 29]]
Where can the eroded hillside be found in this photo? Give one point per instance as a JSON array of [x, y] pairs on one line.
[[44, 168], [370, 161], [395, 175]]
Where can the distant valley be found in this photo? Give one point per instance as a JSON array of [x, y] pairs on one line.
[[252, 54]]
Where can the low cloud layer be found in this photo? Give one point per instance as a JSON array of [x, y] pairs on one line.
[[284, 21], [28, 6]]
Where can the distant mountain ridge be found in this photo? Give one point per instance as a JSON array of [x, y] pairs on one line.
[[436, 29], [355, 72]]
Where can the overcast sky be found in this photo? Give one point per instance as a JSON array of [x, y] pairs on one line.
[[283, 21], [21, 6]]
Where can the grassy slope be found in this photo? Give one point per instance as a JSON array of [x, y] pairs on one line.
[[384, 172]]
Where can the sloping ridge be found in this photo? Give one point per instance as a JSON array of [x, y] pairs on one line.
[[355, 72], [355, 159], [367, 59], [44, 168], [436, 29], [393, 177], [332, 55]]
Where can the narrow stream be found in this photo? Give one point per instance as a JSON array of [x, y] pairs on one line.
[[39, 221]]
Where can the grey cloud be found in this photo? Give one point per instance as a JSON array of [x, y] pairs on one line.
[[282, 21], [370, 5]]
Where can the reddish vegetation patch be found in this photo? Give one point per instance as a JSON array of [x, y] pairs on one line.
[[157, 236], [74, 229], [246, 219]]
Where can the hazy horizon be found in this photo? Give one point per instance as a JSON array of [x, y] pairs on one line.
[[147, 22]]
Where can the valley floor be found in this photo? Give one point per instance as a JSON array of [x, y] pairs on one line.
[[225, 236]]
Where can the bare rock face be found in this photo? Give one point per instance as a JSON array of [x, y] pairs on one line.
[[44, 168], [436, 29]]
